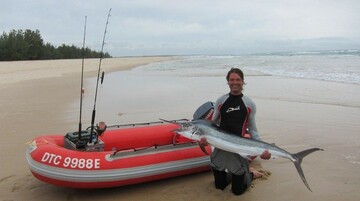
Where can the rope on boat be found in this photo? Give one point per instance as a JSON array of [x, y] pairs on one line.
[[144, 124]]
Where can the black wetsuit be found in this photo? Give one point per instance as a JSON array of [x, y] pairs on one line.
[[234, 114]]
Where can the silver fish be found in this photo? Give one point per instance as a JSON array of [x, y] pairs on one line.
[[199, 129]]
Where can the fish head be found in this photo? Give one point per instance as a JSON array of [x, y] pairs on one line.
[[189, 130]]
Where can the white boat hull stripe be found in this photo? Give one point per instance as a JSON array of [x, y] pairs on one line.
[[114, 174]]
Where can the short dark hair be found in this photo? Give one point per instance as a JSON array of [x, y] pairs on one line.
[[237, 71]]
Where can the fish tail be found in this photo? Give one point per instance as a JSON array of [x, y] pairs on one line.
[[298, 159]]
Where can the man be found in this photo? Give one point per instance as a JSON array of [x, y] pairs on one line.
[[234, 113]]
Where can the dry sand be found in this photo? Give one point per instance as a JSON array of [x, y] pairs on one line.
[[295, 113]]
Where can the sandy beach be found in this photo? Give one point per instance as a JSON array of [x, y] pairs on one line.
[[38, 97]]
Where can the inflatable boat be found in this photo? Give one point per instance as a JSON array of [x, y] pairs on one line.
[[120, 155]]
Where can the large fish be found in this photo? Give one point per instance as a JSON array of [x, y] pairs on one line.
[[198, 129]]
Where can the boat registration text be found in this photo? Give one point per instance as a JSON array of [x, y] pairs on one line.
[[69, 162]]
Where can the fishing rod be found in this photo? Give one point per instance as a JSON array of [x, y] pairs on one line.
[[98, 77], [82, 81]]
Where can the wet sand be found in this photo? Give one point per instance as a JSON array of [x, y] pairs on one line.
[[39, 97]]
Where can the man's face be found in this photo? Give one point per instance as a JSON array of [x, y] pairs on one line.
[[235, 84]]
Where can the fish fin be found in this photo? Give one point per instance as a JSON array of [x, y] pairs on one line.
[[202, 147], [252, 157], [245, 155], [298, 159]]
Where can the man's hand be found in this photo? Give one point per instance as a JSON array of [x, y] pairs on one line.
[[203, 142], [266, 155]]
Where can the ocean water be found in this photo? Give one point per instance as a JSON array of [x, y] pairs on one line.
[[334, 66], [147, 91]]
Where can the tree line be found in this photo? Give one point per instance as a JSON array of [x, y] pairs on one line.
[[29, 45]]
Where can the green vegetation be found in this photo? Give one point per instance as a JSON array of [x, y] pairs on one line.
[[29, 45]]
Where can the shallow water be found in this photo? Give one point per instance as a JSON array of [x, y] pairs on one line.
[[191, 81], [337, 66]]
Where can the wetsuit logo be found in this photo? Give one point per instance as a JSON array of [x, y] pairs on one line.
[[231, 109]]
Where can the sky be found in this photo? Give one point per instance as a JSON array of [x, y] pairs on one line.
[[187, 27]]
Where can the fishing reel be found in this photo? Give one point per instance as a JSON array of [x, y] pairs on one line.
[[98, 131], [100, 128]]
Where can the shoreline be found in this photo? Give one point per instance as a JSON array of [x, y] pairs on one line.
[[20, 71], [38, 106]]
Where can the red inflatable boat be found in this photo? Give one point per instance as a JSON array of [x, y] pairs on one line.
[[122, 155]]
